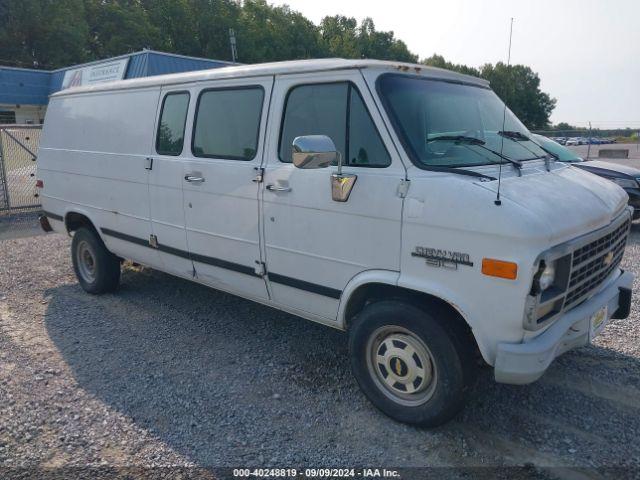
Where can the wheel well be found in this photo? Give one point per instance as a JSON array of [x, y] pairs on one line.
[[375, 292], [73, 221]]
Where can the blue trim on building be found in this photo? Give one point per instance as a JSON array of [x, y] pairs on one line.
[[25, 86]]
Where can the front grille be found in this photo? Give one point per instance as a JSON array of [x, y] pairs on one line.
[[592, 263]]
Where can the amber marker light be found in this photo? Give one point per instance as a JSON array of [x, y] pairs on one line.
[[499, 268]]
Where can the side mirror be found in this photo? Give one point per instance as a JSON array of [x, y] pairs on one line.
[[314, 151], [319, 151]]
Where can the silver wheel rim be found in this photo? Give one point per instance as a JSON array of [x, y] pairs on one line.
[[401, 365], [86, 261]]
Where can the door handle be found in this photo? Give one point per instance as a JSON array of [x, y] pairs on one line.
[[275, 188], [193, 178]]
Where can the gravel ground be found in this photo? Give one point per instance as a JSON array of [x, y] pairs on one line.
[[169, 373]]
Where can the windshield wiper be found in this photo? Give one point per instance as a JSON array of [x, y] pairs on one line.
[[549, 155], [469, 173], [457, 138], [513, 135], [515, 163], [479, 143]]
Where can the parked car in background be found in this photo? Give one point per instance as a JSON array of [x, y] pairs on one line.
[[627, 177], [570, 141]]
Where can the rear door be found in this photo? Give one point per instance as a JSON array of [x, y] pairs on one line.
[[219, 184], [314, 245], [166, 179]]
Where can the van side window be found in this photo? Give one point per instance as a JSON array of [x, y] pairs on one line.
[[315, 110], [336, 110], [173, 117], [227, 123]]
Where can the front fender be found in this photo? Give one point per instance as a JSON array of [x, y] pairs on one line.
[[385, 277], [394, 279], [453, 298]]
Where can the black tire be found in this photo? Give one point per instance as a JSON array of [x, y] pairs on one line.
[[448, 354], [97, 269]]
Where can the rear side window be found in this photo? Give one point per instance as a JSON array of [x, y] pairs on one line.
[[228, 123], [173, 117], [336, 110]]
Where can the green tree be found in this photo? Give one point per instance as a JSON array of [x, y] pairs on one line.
[[268, 33], [339, 36], [43, 33], [382, 45], [212, 20], [439, 62], [119, 26], [519, 87], [342, 37], [564, 126], [176, 22]]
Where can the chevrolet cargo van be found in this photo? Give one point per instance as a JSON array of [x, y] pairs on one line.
[[400, 203]]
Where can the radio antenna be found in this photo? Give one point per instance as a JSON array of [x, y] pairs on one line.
[[497, 201]]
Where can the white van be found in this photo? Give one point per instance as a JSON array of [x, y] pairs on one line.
[[358, 194]]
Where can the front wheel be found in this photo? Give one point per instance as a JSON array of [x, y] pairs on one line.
[[408, 364], [97, 269]]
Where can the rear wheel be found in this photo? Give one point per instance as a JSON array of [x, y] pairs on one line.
[[408, 364], [97, 269]]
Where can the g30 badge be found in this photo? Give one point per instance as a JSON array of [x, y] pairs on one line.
[[435, 257]]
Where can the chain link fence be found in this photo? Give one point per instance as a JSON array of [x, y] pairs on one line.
[[19, 202]]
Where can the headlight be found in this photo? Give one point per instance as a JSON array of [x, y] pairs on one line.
[[546, 276], [624, 182]]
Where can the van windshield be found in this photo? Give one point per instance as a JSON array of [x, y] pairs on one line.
[[562, 153], [445, 124]]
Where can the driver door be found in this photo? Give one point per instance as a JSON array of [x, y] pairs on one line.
[[313, 245]]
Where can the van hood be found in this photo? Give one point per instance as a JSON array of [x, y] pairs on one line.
[[570, 201]]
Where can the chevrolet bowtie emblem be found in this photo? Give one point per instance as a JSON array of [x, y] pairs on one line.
[[398, 367], [608, 258]]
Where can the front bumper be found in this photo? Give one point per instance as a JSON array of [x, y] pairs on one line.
[[525, 362]]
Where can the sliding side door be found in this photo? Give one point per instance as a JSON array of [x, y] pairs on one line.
[[220, 188]]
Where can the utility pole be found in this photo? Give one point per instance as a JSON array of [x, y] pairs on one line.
[[588, 142], [232, 42]]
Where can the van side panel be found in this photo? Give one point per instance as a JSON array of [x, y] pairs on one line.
[[92, 159]]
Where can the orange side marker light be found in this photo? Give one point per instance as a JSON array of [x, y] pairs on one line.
[[499, 268]]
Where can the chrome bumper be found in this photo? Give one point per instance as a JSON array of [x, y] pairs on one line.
[[525, 362]]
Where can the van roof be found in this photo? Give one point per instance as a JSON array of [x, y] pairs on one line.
[[276, 68]]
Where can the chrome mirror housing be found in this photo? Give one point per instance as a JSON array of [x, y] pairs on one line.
[[319, 151], [314, 151]]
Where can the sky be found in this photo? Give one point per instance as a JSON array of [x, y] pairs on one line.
[[587, 53]]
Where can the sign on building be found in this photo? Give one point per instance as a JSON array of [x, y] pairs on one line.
[[97, 73]]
